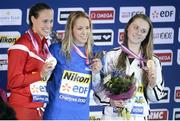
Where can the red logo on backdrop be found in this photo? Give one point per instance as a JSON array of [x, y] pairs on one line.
[[158, 114], [60, 34], [164, 57], [102, 15], [177, 94]]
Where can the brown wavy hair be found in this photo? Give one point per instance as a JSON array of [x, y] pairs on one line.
[[146, 46]]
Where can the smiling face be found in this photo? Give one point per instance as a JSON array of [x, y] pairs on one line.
[[81, 31], [137, 31], [43, 23]]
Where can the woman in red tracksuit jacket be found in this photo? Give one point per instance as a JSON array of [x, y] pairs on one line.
[[27, 65]]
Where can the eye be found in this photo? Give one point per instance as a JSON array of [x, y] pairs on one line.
[[51, 21], [136, 27], [87, 27], [79, 28], [45, 21], [143, 31]]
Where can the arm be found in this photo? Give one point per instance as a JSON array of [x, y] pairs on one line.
[[17, 78], [51, 84], [155, 91], [109, 64], [96, 82]]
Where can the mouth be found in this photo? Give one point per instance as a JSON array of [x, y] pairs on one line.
[[84, 37], [136, 36], [47, 32]]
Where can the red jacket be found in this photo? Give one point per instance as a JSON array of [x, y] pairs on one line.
[[24, 69]]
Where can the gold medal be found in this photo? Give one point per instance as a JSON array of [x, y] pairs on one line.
[[150, 64]]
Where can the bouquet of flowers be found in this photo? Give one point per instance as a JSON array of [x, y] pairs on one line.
[[120, 86]]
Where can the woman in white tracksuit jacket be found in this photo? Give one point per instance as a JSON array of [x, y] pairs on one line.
[[137, 43]]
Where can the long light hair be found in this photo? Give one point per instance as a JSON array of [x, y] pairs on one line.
[[146, 46], [69, 39]]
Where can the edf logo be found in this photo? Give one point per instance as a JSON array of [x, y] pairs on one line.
[[166, 13], [162, 13], [38, 89], [80, 89]]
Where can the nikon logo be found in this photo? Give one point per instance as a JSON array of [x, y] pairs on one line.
[[5, 39], [78, 77], [8, 38]]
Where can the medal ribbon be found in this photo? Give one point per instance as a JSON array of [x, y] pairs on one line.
[[80, 53], [129, 52], [35, 44]]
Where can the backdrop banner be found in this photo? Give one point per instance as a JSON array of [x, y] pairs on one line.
[[109, 18]]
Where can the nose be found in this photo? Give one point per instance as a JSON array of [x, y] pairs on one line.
[[84, 31], [49, 25], [138, 31]]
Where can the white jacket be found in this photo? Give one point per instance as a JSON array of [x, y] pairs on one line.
[[153, 94]]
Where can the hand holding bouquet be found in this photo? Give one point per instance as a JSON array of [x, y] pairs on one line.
[[120, 86]]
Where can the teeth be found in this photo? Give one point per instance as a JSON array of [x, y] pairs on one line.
[[46, 30], [84, 37]]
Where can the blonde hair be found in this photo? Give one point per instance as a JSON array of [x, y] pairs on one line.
[[69, 39]]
